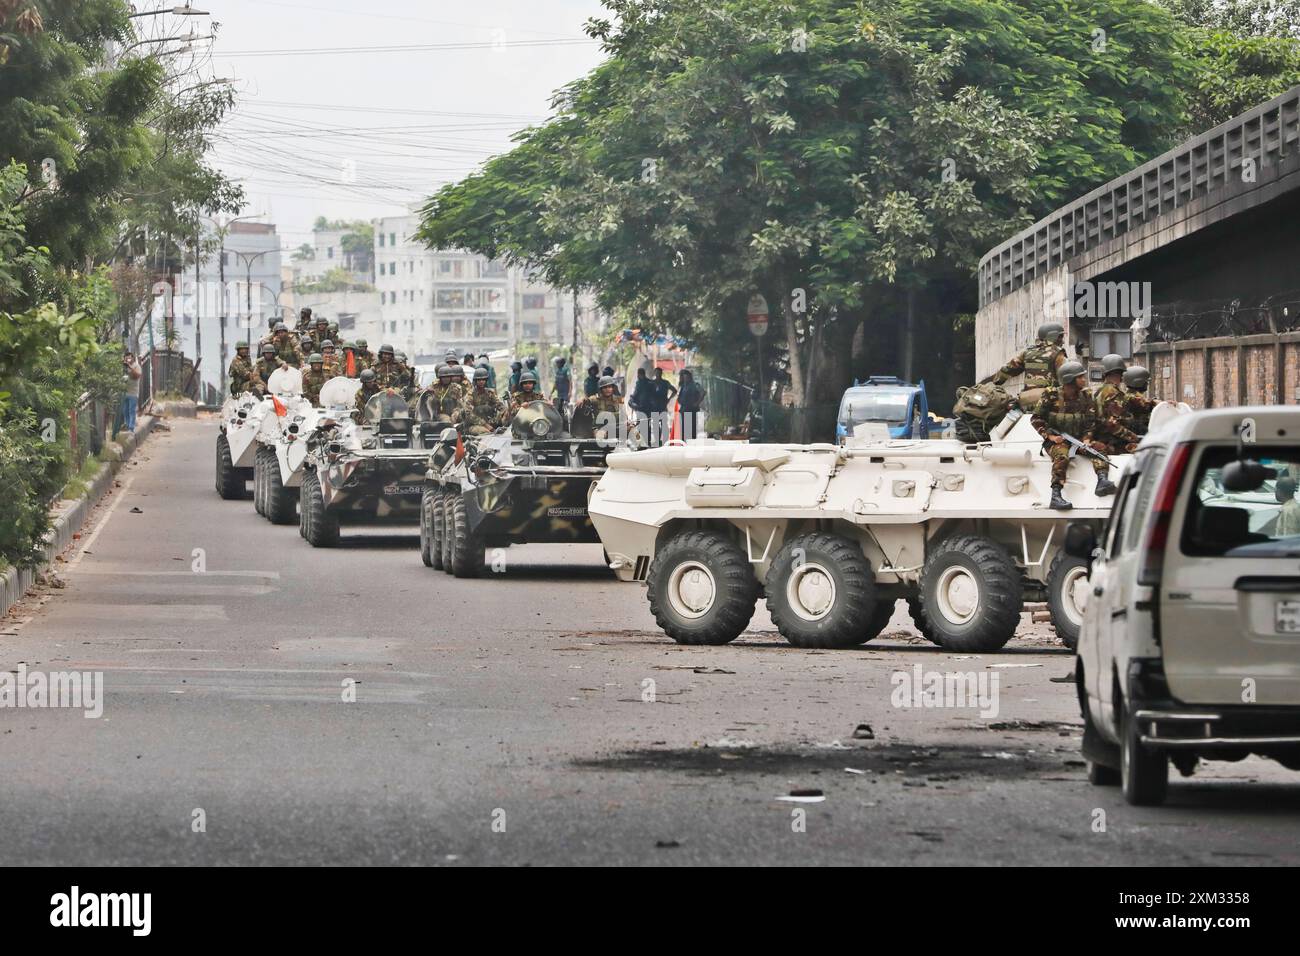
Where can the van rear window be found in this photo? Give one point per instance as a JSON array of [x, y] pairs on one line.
[[1261, 523]]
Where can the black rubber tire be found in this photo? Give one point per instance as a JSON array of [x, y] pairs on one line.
[[1099, 775], [257, 480], [468, 551], [1144, 771], [448, 537], [230, 483], [304, 513], [736, 588], [879, 620], [436, 529], [1000, 594], [322, 527], [846, 622], [426, 527], [281, 502], [1063, 567], [918, 618]]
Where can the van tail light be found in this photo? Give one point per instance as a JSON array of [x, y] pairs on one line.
[[1162, 512]]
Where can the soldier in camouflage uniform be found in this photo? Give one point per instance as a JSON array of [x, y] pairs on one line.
[[363, 352], [331, 358], [442, 400], [606, 402], [1072, 409], [527, 393], [1111, 435], [319, 332], [286, 348], [242, 374], [314, 377], [267, 364], [1039, 364], [1137, 406], [389, 373], [482, 411], [304, 320], [368, 390]]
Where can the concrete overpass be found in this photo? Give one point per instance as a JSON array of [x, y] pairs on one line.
[[1214, 220]]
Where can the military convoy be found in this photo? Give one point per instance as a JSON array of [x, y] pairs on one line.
[[241, 418], [524, 484], [834, 535]]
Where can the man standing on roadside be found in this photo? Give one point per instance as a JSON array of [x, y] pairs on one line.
[[131, 398]]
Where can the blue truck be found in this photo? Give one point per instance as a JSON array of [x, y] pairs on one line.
[[886, 400]]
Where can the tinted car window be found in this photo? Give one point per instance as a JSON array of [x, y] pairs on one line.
[[1261, 523], [1149, 464]]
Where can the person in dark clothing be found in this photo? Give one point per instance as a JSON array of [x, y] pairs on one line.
[[690, 400], [664, 391], [592, 384]]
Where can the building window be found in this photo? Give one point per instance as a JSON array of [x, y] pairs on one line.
[[392, 238], [381, 240], [1105, 341], [329, 252], [535, 301]]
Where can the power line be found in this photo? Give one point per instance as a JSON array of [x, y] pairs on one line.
[[410, 48]]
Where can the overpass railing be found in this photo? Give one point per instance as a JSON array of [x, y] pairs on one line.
[[1189, 172]]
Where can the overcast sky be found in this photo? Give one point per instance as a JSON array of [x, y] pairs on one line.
[[361, 134]]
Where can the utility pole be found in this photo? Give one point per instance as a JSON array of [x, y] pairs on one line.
[[198, 320]]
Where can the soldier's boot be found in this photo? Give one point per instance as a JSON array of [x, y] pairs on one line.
[[1058, 501], [1104, 487]]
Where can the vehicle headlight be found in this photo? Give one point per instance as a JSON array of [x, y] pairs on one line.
[[541, 427]]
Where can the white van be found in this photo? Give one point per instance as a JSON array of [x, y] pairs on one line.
[[1190, 644]]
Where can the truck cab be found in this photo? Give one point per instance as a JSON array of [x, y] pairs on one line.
[[887, 402]]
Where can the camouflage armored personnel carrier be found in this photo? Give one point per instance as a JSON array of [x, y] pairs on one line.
[[364, 472], [835, 535], [241, 418], [520, 485]]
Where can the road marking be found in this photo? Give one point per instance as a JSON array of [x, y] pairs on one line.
[[103, 523], [273, 575], [128, 614]]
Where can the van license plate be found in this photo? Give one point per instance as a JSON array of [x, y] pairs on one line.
[[1288, 617]]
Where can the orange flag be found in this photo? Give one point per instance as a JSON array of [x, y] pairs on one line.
[[280, 410], [352, 364], [460, 449]]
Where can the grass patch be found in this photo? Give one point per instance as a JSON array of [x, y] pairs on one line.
[[80, 482]]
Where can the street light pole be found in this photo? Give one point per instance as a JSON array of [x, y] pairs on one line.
[[248, 284]]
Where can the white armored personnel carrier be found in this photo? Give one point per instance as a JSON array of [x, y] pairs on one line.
[[835, 535], [241, 420]]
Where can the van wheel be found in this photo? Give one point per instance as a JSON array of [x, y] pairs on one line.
[[1067, 596], [230, 483], [702, 589], [436, 528], [918, 619], [1144, 771], [467, 550], [1099, 775], [971, 594], [821, 592], [426, 531], [322, 527]]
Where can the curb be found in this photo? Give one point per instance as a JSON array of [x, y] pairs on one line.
[[15, 582], [175, 409]]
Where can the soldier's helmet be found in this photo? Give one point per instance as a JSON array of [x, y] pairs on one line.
[[528, 378], [1051, 332], [315, 358], [1112, 363], [480, 375], [386, 350], [367, 376], [281, 327], [327, 344], [443, 370], [456, 370], [305, 312], [1069, 372], [268, 349], [1136, 378], [450, 357], [305, 341], [321, 320], [241, 347], [361, 343], [400, 356], [606, 381]]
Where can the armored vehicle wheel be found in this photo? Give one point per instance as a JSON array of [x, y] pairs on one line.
[[821, 592], [448, 538], [467, 550], [281, 502], [426, 529], [971, 594], [322, 527], [702, 589], [257, 480], [918, 619], [436, 544], [879, 620], [230, 483], [304, 513], [1067, 595]]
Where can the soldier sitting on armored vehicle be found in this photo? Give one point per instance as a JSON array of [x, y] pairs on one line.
[[441, 400], [286, 346], [605, 410], [242, 374], [330, 358], [1040, 364], [369, 389], [527, 393], [265, 366], [1065, 417], [389, 373], [319, 332], [1111, 436], [314, 378], [1137, 406], [481, 412]]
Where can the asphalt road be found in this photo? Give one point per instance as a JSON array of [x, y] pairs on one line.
[[505, 720]]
